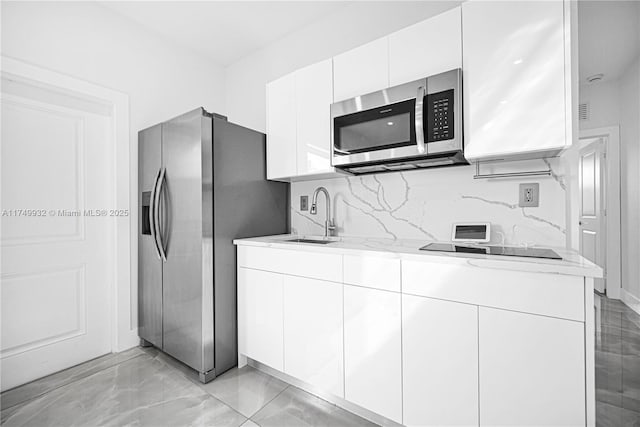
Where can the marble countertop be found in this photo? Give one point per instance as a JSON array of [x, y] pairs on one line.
[[571, 264]]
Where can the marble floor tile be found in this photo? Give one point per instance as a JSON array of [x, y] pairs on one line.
[[617, 365], [140, 391], [41, 386], [609, 378], [246, 390], [631, 382], [630, 342], [249, 423], [297, 408], [613, 416], [609, 343]]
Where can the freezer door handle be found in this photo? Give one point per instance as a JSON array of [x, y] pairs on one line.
[[152, 214], [156, 219]]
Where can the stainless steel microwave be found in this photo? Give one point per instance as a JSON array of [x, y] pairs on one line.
[[410, 126]]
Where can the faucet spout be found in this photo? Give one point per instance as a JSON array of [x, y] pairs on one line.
[[328, 224]]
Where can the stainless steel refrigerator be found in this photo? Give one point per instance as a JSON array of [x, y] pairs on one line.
[[202, 183]]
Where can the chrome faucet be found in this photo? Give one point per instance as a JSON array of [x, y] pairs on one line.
[[328, 224]]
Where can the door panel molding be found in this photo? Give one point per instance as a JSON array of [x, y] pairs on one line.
[[76, 151], [80, 310]]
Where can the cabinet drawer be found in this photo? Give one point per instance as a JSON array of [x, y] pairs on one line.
[[372, 272], [538, 293], [316, 265]]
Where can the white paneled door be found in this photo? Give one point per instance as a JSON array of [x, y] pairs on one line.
[[56, 256], [592, 204]]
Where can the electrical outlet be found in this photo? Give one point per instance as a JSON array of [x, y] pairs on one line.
[[529, 195], [304, 203]]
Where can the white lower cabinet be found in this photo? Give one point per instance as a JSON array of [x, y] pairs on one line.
[[260, 316], [440, 362], [436, 355], [373, 350], [532, 370], [313, 335]]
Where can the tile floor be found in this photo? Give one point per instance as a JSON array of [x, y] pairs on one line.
[[617, 364], [145, 387]]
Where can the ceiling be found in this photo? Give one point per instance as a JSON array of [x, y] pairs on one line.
[[224, 31], [609, 37]]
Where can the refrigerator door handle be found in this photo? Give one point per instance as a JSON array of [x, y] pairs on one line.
[[152, 214], [156, 220]]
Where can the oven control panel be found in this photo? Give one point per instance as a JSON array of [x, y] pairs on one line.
[[439, 124]]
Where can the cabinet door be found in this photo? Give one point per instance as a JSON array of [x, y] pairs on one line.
[[281, 127], [260, 333], [531, 370], [314, 95], [426, 48], [514, 82], [313, 350], [440, 362], [361, 70], [372, 350]]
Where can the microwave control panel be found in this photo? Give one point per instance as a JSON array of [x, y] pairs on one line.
[[439, 114]]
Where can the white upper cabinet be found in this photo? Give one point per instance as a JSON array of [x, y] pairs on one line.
[[314, 95], [299, 124], [361, 70], [281, 128], [426, 48], [514, 78]]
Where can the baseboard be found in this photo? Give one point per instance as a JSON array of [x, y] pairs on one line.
[[334, 400], [630, 300]]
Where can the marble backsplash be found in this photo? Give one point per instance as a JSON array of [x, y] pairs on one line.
[[423, 204]]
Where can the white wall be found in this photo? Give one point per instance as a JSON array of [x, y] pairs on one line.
[[604, 104], [629, 95], [345, 29], [90, 42], [617, 103]]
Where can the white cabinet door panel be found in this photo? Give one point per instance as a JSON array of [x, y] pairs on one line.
[[372, 272], [426, 48], [281, 128], [313, 333], [440, 362], [314, 95], [260, 311], [514, 82], [532, 370], [362, 70], [372, 350]]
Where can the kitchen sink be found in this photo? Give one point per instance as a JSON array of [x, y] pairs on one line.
[[317, 242]]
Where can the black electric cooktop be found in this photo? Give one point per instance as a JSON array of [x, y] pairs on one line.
[[492, 250]]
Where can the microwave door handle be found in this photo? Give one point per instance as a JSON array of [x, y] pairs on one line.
[[152, 215], [420, 119], [156, 204]]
